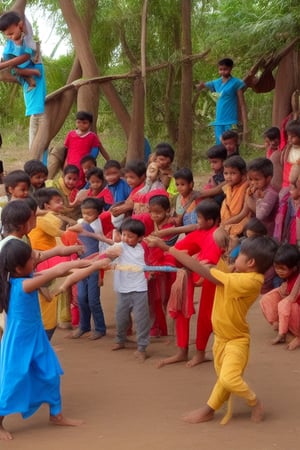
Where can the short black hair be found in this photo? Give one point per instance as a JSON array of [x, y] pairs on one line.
[[15, 177], [161, 200], [34, 166], [209, 209], [217, 152], [230, 134], [8, 19], [112, 163], [262, 249], [93, 203], [293, 127], [71, 168], [95, 171], [184, 174], [288, 255], [31, 202], [137, 167], [13, 215], [87, 158], [237, 162], [256, 226], [262, 165], [134, 226], [44, 196], [84, 115], [272, 133], [166, 150], [228, 62]]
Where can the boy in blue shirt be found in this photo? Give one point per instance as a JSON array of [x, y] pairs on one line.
[[228, 92]]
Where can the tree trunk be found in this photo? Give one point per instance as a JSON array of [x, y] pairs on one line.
[[185, 131], [136, 137]]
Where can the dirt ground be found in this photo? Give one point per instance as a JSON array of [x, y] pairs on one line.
[[134, 406]]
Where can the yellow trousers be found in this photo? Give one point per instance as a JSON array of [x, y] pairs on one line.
[[230, 360]]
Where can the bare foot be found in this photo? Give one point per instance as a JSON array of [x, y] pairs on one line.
[[118, 346], [280, 339], [295, 343], [204, 414], [258, 412], [5, 435], [140, 356], [63, 421], [275, 326], [182, 355], [198, 358]]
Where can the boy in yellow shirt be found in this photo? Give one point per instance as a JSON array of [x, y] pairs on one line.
[[235, 293]]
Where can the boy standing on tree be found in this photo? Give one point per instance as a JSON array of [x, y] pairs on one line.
[[229, 95], [21, 54]]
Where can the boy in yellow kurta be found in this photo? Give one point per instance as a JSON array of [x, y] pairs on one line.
[[235, 293]]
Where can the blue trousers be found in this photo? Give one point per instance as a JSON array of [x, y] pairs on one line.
[[89, 304]]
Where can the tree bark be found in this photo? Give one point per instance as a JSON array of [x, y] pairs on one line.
[[185, 130]]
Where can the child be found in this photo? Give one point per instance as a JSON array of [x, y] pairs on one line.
[[118, 187], [17, 184], [97, 188], [228, 92], [66, 185], [235, 191], [187, 199], [44, 237], [135, 175], [262, 198], [291, 230], [37, 172], [253, 228], [86, 163], [235, 293], [213, 189], [88, 289], [30, 373], [281, 306], [20, 49], [131, 288], [82, 142], [200, 243], [230, 140], [271, 140], [164, 157]]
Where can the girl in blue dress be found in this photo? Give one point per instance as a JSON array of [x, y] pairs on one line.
[[29, 369]]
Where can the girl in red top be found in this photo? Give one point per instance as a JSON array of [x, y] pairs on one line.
[[98, 188]]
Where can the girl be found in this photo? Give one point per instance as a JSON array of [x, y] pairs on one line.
[[30, 373], [187, 198], [98, 187]]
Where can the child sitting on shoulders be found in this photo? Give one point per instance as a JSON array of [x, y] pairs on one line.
[[131, 288], [38, 173], [81, 142], [281, 306]]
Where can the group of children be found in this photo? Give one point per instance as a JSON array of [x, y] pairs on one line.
[[151, 221]]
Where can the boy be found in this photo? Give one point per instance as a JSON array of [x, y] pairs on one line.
[[21, 46], [262, 198], [82, 142], [164, 157], [235, 293], [229, 94], [213, 189], [202, 244], [17, 184], [38, 173], [230, 140], [118, 187], [88, 288], [131, 288], [235, 191]]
